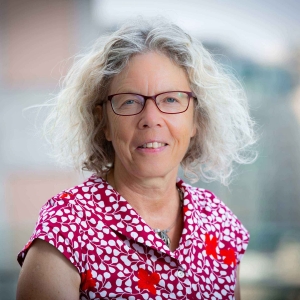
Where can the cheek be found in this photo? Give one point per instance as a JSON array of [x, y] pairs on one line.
[[117, 132], [183, 130]]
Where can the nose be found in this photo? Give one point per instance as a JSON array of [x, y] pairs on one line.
[[150, 116]]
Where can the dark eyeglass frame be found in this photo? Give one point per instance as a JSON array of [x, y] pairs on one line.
[[190, 94]]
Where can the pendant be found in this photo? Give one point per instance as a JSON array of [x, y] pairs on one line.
[[163, 235]]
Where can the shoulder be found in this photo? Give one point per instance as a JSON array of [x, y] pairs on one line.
[[71, 206], [203, 200], [84, 191], [208, 203], [66, 216], [75, 199], [215, 217]]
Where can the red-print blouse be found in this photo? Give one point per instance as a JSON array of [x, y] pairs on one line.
[[119, 256]]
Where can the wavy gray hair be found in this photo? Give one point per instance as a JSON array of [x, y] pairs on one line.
[[224, 127]]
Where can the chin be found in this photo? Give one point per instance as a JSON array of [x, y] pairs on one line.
[[155, 171]]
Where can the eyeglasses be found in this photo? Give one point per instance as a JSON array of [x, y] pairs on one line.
[[129, 104]]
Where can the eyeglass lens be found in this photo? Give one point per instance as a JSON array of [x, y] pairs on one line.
[[130, 104]]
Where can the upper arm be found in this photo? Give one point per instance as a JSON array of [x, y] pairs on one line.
[[47, 274], [237, 290]]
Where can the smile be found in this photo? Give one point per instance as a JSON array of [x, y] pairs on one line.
[[153, 145]]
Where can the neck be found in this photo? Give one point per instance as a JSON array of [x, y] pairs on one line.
[[156, 199]]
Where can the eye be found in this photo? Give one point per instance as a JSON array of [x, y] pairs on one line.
[[170, 100], [128, 102]]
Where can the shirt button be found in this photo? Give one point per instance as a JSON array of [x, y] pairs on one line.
[[180, 274]]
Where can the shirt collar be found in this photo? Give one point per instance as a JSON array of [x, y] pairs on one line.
[[121, 217]]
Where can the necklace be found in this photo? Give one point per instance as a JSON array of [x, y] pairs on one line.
[[163, 232]]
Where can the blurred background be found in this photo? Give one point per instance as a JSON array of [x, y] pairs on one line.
[[258, 40]]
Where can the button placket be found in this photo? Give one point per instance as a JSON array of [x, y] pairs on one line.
[[180, 274]]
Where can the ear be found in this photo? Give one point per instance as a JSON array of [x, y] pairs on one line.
[[107, 133], [100, 114], [193, 129]]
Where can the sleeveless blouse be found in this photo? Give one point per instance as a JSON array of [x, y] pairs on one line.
[[118, 256]]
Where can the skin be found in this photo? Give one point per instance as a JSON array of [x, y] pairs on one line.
[[46, 274], [237, 290], [146, 178]]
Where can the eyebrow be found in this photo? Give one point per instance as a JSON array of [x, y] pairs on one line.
[[139, 93], [126, 91]]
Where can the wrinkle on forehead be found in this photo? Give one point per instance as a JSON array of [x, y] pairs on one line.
[[152, 75]]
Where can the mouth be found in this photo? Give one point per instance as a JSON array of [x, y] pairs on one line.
[[153, 145]]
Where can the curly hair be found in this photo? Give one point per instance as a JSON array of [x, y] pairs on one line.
[[225, 131]]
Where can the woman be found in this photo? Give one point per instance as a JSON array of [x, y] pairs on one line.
[[144, 101]]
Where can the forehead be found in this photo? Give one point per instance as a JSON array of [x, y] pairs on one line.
[[150, 73]]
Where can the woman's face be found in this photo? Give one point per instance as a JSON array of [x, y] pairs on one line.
[[150, 74]]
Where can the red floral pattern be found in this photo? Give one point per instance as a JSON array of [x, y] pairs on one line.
[[120, 257], [185, 209], [87, 280], [27, 246], [229, 256], [148, 280], [211, 245], [65, 195], [211, 249]]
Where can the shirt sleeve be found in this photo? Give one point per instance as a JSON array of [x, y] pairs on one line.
[[58, 224], [238, 235]]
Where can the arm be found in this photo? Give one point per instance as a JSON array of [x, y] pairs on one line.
[[237, 290], [46, 274]]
